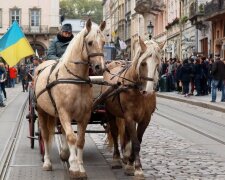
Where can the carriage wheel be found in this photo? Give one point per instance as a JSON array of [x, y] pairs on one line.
[[41, 144], [32, 118]]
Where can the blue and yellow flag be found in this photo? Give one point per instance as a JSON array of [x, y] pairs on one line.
[[14, 46]]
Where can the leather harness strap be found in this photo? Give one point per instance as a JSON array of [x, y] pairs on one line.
[[49, 89]]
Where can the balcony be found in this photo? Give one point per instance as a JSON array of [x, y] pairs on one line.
[[35, 29], [149, 6], [196, 11], [215, 9]]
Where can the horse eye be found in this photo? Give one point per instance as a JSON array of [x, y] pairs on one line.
[[143, 64], [90, 43]]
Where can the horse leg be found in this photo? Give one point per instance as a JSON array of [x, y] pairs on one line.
[[65, 120], [64, 151], [140, 132], [46, 132], [135, 157], [126, 146], [81, 128], [116, 163]]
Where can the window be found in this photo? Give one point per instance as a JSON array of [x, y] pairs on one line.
[[15, 15], [35, 17], [0, 18]]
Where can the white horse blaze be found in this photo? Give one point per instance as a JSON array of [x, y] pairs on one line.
[[151, 74]]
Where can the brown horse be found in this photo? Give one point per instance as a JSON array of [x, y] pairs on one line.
[[133, 103], [63, 92]]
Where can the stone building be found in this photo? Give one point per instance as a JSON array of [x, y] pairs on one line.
[[39, 20], [215, 13]]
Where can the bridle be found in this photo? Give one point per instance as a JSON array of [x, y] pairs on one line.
[[90, 55]]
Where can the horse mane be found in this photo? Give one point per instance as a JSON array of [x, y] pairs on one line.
[[152, 49], [77, 42]]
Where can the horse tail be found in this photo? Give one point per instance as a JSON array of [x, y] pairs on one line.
[[121, 133], [121, 130]]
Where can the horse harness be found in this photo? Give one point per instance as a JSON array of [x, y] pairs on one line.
[[78, 80], [122, 87]]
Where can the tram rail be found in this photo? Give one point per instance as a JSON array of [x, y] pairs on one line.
[[10, 147], [190, 126]]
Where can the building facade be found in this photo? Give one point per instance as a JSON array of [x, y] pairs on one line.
[[39, 20], [189, 27], [215, 13]]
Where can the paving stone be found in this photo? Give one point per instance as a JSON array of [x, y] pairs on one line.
[[165, 155]]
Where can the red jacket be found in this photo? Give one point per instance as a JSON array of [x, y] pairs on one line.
[[12, 72]]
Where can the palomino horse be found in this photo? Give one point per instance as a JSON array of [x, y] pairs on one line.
[[133, 103], [63, 92]]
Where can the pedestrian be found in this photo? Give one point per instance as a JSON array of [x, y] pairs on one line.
[[59, 44], [12, 75], [185, 77], [197, 77], [177, 76], [35, 62], [7, 82], [218, 77], [3, 79], [211, 61], [24, 77], [192, 75]]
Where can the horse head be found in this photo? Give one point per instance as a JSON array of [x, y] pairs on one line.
[[94, 41], [146, 62]]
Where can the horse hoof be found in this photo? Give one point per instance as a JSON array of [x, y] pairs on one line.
[[83, 175], [64, 155], [138, 174], [47, 167], [116, 164], [139, 177], [129, 170], [78, 175], [74, 174]]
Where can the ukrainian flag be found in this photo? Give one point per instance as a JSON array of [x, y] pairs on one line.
[[14, 46]]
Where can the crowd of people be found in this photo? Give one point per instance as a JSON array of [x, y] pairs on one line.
[[197, 76], [9, 76]]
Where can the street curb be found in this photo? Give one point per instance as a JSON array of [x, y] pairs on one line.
[[194, 102]]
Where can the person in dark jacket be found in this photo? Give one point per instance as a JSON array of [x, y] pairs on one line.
[[24, 77], [198, 76], [2, 72], [185, 77], [218, 77], [3, 78], [211, 61], [192, 75], [59, 44], [177, 76]]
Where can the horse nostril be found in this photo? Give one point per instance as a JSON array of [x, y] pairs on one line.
[[97, 67]]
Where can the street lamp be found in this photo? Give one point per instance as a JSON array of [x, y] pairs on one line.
[[150, 28]]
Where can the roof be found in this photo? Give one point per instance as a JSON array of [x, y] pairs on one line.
[[77, 24]]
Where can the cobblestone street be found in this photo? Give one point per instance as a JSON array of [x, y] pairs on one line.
[[166, 155]]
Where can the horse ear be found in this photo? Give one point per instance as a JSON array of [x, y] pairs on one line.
[[161, 45], [88, 25], [102, 25], [142, 44]]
